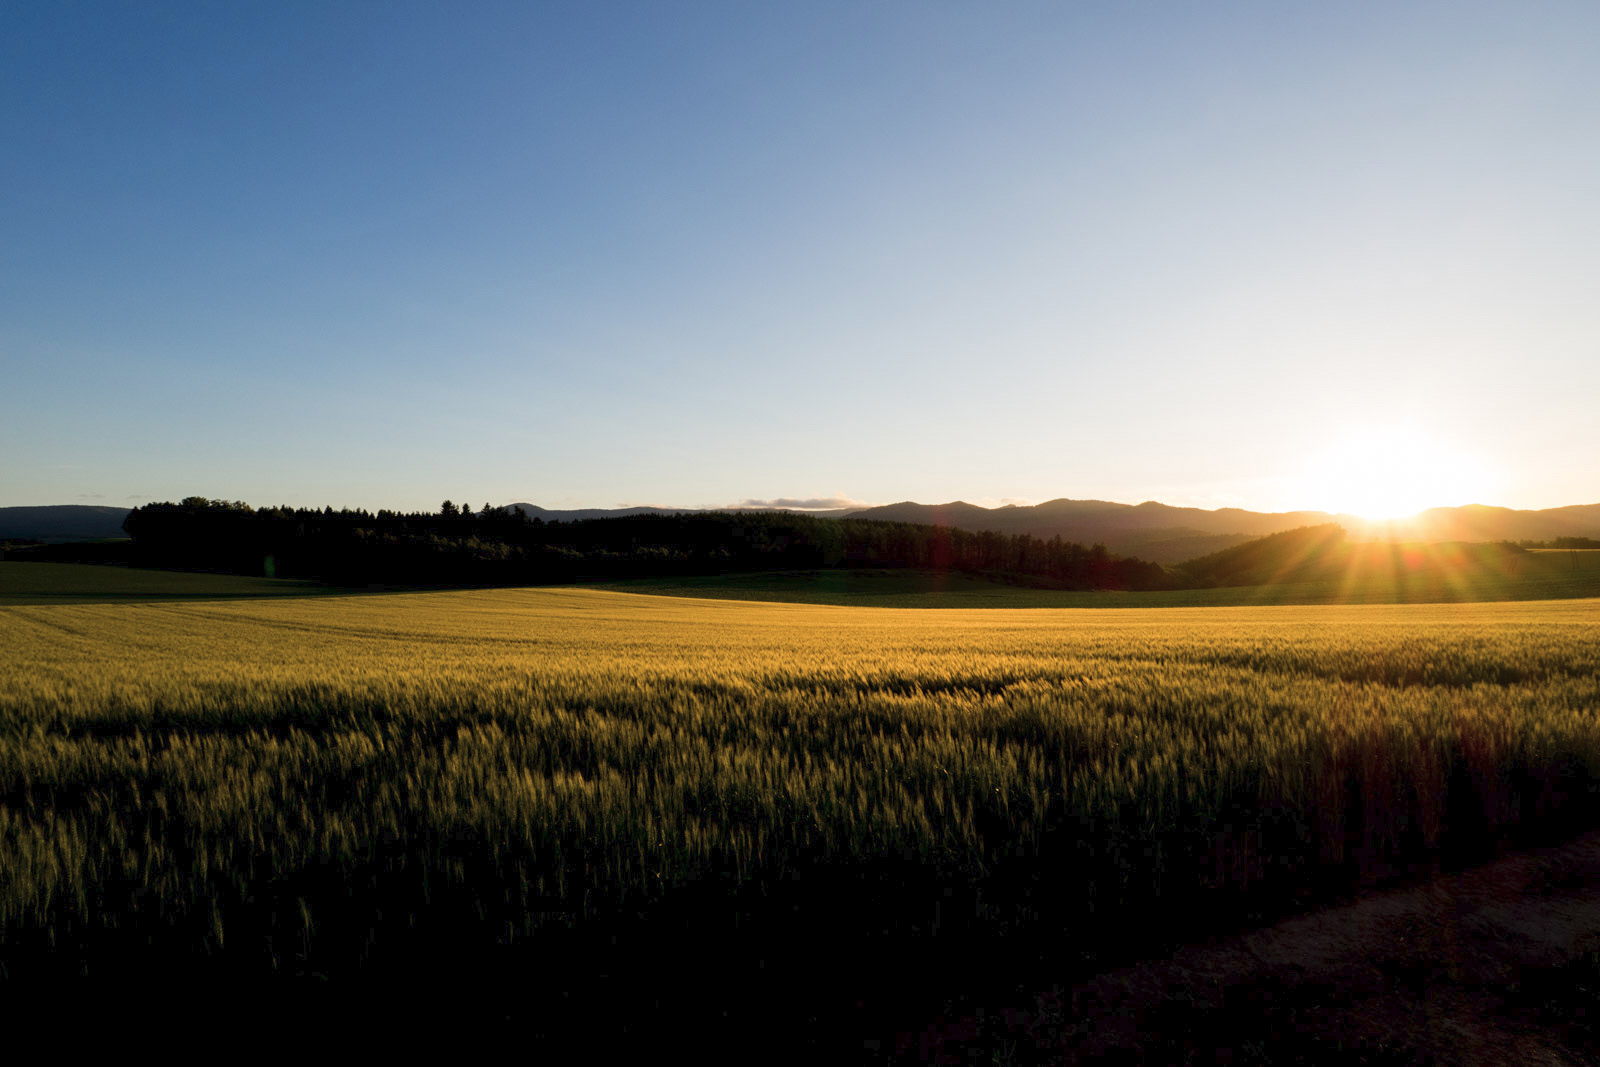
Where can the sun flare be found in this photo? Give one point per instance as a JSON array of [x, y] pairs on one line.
[[1390, 473]]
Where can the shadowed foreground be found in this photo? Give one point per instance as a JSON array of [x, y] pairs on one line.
[[1496, 965]]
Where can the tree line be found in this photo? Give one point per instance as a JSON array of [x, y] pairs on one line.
[[503, 546]]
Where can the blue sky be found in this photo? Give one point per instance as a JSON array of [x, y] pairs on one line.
[[696, 254]]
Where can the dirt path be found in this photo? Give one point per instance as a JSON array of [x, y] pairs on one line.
[[1490, 966]]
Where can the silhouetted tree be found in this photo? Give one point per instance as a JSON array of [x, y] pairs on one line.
[[507, 546]]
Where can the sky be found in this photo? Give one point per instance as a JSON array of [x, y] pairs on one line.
[[700, 254]]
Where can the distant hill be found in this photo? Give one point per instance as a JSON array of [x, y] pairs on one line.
[[1321, 554], [1292, 555], [1146, 530], [1166, 534], [357, 547], [1153, 531], [1157, 532], [64, 522], [1150, 520], [1478, 522], [534, 511]]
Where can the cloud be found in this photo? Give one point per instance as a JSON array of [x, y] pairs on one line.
[[805, 503], [91, 496]]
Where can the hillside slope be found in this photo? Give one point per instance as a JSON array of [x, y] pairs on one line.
[[534, 511], [1167, 534], [63, 522]]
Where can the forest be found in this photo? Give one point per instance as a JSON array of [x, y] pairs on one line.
[[500, 546]]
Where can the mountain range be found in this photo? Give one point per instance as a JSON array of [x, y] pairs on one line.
[[1158, 532], [1166, 534]]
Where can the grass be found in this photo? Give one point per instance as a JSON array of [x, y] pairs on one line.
[[1540, 576], [532, 784], [54, 583]]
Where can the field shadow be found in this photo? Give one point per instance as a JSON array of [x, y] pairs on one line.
[[40, 583]]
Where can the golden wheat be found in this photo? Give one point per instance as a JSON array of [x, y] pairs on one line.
[[598, 744]]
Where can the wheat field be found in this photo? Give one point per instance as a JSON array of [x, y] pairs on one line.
[[536, 756]]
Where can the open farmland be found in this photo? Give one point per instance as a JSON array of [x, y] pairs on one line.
[[1534, 575], [58, 583], [361, 787]]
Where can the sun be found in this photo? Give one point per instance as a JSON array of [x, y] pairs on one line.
[[1390, 473]]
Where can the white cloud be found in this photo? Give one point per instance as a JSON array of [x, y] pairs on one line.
[[805, 503]]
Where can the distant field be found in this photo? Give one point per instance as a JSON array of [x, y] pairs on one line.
[[1541, 576], [1568, 559], [488, 783], [48, 583]]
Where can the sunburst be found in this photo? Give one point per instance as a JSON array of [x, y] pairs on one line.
[[1390, 473]]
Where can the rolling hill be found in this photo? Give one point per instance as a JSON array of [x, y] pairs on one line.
[[1166, 534], [64, 522], [1154, 531], [534, 511]]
